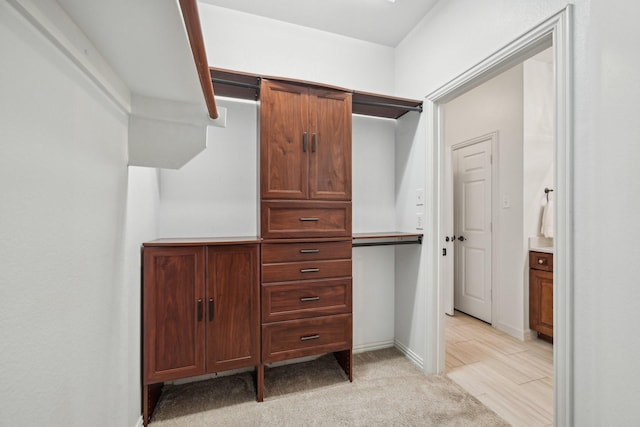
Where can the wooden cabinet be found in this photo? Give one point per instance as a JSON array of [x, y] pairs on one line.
[[201, 311], [305, 175], [306, 300], [305, 142], [541, 293]]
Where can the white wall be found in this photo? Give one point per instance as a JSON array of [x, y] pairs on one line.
[[244, 42], [216, 193], [497, 106], [458, 34], [538, 142], [69, 347]]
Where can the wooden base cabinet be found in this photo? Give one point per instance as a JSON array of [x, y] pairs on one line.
[[306, 302], [541, 294], [201, 312]]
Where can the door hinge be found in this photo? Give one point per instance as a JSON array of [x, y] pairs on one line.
[[444, 251]]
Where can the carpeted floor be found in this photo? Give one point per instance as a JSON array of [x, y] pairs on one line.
[[387, 390]]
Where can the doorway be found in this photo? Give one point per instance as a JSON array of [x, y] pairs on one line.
[[554, 32]]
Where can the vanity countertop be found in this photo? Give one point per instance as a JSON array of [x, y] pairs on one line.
[[541, 244]]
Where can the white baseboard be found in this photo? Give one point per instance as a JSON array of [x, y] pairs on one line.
[[361, 348], [516, 333], [411, 355]]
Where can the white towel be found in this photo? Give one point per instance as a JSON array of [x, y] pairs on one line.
[[547, 220]]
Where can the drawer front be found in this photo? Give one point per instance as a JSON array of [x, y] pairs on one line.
[[322, 269], [541, 261], [283, 252], [281, 220], [305, 337], [297, 300]]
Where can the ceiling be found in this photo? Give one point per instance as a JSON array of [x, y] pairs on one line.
[[377, 21]]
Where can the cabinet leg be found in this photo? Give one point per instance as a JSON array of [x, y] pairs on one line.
[[345, 360], [260, 382], [150, 396]]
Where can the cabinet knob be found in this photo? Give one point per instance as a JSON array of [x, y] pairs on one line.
[[541, 261]]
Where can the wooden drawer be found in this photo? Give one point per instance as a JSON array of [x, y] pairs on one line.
[[322, 269], [541, 261], [284, 219], [307, 251], [297, 300], [305, 337]]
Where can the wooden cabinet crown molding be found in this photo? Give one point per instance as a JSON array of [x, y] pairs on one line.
[[241, 85]]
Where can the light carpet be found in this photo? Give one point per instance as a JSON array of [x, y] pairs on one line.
[[387, 390]]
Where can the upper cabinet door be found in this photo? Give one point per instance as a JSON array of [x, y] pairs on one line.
[[305, 142], [330, 145], [284, 141]]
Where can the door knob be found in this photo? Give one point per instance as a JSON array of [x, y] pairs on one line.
[[461, 238]]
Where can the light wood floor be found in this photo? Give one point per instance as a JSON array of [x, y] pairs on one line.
[[513, 378]]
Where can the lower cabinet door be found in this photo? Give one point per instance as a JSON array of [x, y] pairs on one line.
[[173, 328], [232, 307], [305, 337], [541, 301]]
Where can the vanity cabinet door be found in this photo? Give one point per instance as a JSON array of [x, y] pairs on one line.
[[541, 301]]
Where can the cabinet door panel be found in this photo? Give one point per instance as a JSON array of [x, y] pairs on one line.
[[330, 146], [173, 332], [283, 151], [541, 301], [233, 293]]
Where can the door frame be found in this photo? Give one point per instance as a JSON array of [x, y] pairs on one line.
[[556, 31], [447, 197]]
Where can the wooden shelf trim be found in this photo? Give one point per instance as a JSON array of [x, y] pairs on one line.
[[235, 84], [194, 32], [386, 238]]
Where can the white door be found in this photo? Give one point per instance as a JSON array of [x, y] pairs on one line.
[[472, 196]]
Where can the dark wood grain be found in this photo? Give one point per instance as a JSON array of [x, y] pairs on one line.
[[305, 251], [172, 335], [541, 293], [233, 335], [305, 270], [330, 145], [287, 340], [283, 219], [309, 298], [194, 32]]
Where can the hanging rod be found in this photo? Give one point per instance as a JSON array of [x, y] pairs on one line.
[[399, 242], [234, 83], [382, 104]]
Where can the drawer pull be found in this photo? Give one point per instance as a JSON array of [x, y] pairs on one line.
[[309, 219], [309, 251], [542, 261], [309, 337], [309, 299], [309, 270], [199, 310], [210, 309]]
